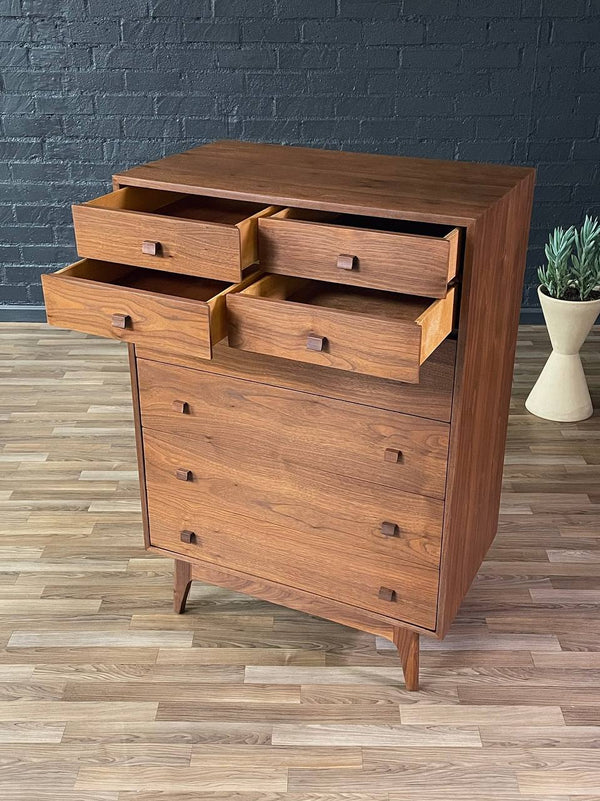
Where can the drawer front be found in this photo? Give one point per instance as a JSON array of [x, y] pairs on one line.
[[121, 313], [281, 426], [148, 228], [340, 339], [94, 297], [416, 265], [430, 398], [182, 246], [326, 535]]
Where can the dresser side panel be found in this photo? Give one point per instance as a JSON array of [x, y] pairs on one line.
[[492, 284]]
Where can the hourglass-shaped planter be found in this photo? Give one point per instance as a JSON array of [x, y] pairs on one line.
[[561, 392]]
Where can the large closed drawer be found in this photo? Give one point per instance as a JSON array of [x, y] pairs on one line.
[[372, 547], [283, 427], [348, 328], [400, 256], [189, 234], [166, 311]]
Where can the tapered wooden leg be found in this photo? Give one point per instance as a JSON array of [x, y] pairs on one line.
[[181, 585], [407, 643]]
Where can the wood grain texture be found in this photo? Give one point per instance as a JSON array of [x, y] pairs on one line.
[[298, 531], [55, 548], [284, 426], [411, 263], [292, 598], [88, 305], [494, 264], [182, 582], [407, 643], [446, 192], [378, 334], [211, 239], [430, 398], [343, 515], [166, 312]]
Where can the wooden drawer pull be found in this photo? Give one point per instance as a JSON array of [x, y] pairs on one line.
[[187, 536], [392, 455], [346, 262], [121, 321], [150, 248], [180, 406], [389, 529], [183, 475], [315, 342], [385, 594]]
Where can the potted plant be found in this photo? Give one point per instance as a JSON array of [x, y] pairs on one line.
[[569, 294]]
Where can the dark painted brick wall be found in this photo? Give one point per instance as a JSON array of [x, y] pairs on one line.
[[91, 86]]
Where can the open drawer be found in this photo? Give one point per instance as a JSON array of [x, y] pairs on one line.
[[349, 328], [167, 311], [400, 256], [189, 234]]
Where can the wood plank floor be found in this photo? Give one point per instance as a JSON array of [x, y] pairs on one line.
[[105, 695]]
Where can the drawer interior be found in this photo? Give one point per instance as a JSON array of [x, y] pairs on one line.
[[366, 302], [365, 222], [141, 278], [358, 301], [221, 211], [211, 209]]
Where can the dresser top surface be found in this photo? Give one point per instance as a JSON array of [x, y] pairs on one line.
[[448, 192]]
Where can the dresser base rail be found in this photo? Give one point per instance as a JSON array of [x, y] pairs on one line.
[[406, 640]]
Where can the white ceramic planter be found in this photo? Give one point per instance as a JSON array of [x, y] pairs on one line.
[[561, 392]]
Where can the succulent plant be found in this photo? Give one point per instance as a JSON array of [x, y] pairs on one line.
[[573, 262]]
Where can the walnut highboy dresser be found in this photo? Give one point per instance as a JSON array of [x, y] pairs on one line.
[[321, 347]]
